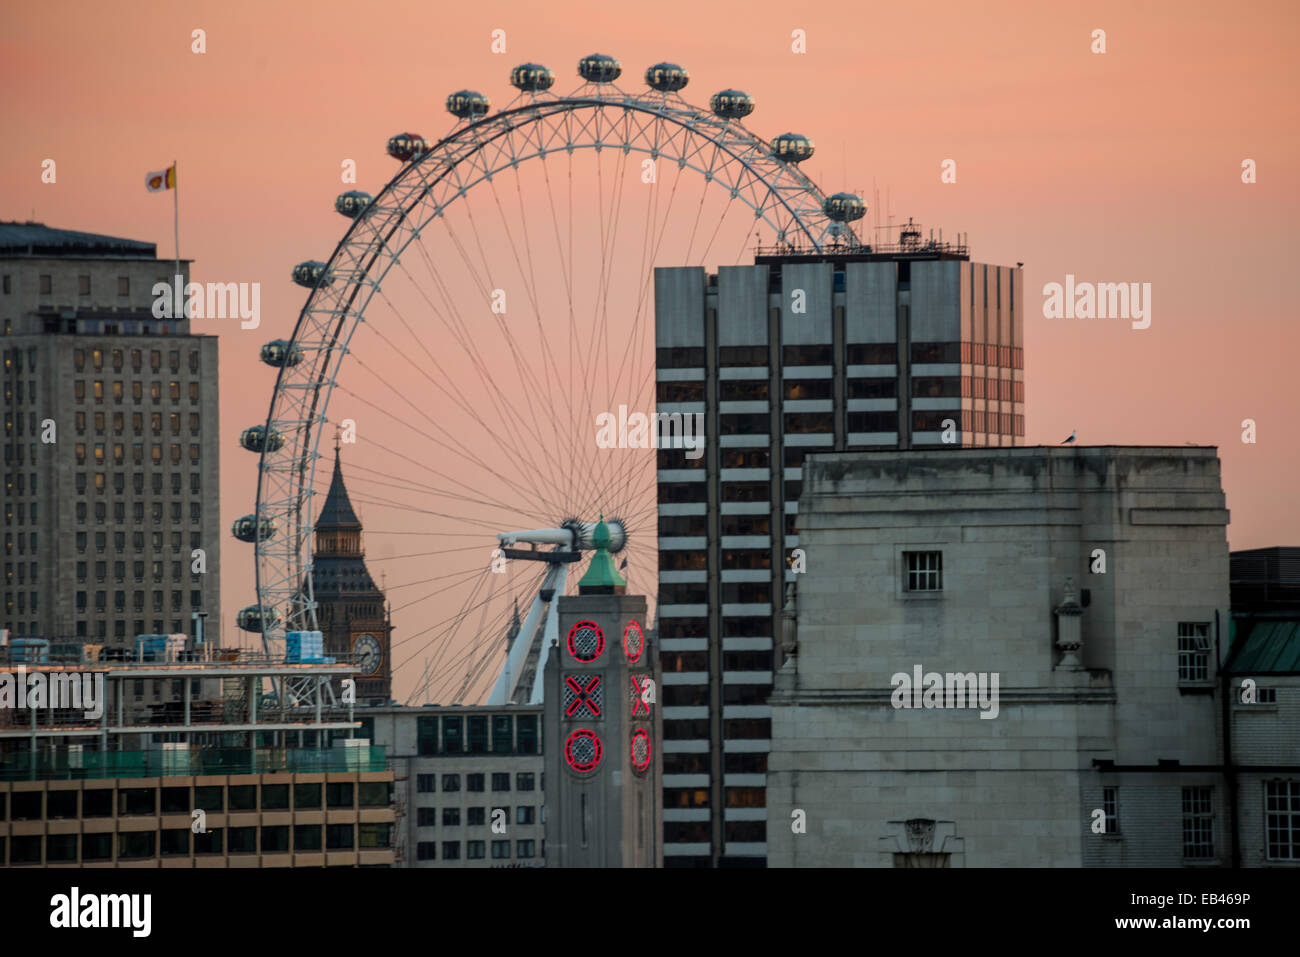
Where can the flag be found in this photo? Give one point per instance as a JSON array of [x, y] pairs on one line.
[[163, 179]]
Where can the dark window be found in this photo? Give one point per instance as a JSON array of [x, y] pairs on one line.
[[679, 358], [676, 560], [243, 797], [871, 353], [746, 593], [745, 831], [61, 804], [451, 735], [692, 729], [306, 837], [742, 762], [306, 796], [746, 524], [743, 390], [503, 733], [924, 571], [375, 835], [426, 851], [339, 837], [473, 782], [243, 840], [680, 762], [275, 797], [339, 794], [474, 850], [97, 803], [376, 793], [501, 781], [27, 805], [450, 782], [745, 458], [745, 423], [451, 817], [210, 842], [210, 799], [806, 355], [808, 388], [500, 850], [25, 850], [680, 391], [680, 661], [936, 352], [475, 816], [524, 781], [275, 839], [525, 849], [135, 801], [426, 735], [747, 661], [684, 695], [424, 783], [426, 817], [527, 734], [60, 847], [97, 847], [743, 728], [936, 386], [741, 355], [174, 842], [807, 423], [746, 491], [873, 422], [135, 844], [676, 493], [687, 832], [451, 850], [683, 593], [741, 694]]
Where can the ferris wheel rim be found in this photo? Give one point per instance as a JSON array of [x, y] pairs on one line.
[[368, 274]]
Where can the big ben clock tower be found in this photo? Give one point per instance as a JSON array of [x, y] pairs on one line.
[[350, 608]]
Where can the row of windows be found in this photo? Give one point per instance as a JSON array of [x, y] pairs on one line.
[[427, 783], [700, 832], [978, 387], [96, 357], [46, 285], [100, 481], [100, 451], [691, 762], [997, 423], [214, 799], [137, 422], [696, 696], [137, 601], [117, 389], [733, 626], [474, 816], [137, 569], [870, 353], [474, 850], [179, 842], [697, 729], [697, 593], [13, 358], [119, 513], [137, 541], [697, 560], [459, 734], [697, 525]]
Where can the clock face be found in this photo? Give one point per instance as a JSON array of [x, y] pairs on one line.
[[367, 654]]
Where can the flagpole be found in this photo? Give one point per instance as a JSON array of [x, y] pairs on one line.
[[176, 216]]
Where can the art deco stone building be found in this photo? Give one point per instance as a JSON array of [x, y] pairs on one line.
[[1093, 582]]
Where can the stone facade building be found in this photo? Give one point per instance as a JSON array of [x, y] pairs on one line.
[[1073, 606]]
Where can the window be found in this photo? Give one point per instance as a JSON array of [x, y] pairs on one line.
[[1193, 651], [1282, 820], [46, 285], [275, 839], [450, 782], [501, 781], [123, 285], [243, 840], [339, 837], [275, 797], [338, 795], [374, 794], [474, 850], [475, 816], [451, 850], [478, 735], [451, 817], [135, 844], [1110, 807], [426, 851], [524, 781], [306, 796], [243, 797], [503, 733], [135, 801], [174, 842], [524, 814], [426, 817], [306, 837], [527, 732], [525, 849], [500, 850], [451, 736], [1198, 823], [924, 571], [424, 783], [473, 782]]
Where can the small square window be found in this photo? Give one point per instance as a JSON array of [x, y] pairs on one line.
[[924, 571]]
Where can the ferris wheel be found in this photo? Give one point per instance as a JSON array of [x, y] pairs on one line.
[[478, 314]]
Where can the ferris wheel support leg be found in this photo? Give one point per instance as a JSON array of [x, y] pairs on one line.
[[504, 688], [550, 636]]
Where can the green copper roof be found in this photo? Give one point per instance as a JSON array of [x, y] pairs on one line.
[[601, 573], [1264, 646]]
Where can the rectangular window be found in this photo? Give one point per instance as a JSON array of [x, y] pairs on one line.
[[1198, 823], [474, 850], [426, 817], [525, 849], [527, 731], [1193, 651], [500, 850], [478, 734], [424, 783], [451, 850], [426, 851], [1110, 806], [474, 782], [451, 817], [1282, 820], [452, 736], [924, 571], [503, 733], [501, 781], [450, 782]]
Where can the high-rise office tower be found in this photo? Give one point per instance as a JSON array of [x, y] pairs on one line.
[[110, 443], [904, 346]]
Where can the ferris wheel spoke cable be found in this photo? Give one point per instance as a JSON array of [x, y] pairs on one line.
[[525, 494]]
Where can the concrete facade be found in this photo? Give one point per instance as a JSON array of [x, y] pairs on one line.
[[103, 515], [1092, 582], [790, 356]]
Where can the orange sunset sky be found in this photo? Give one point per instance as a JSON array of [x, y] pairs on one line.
[[1124, 166]]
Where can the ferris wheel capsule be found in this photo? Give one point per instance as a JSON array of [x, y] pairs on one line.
[[249, 529], [352, 203], [844, 207], [311, 274], [252, 617], [407, 146], [279, 354], [599, 68], [666, 77], [731, 104], [792, 147], [468, 104], [256, 439], [532, 78]]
